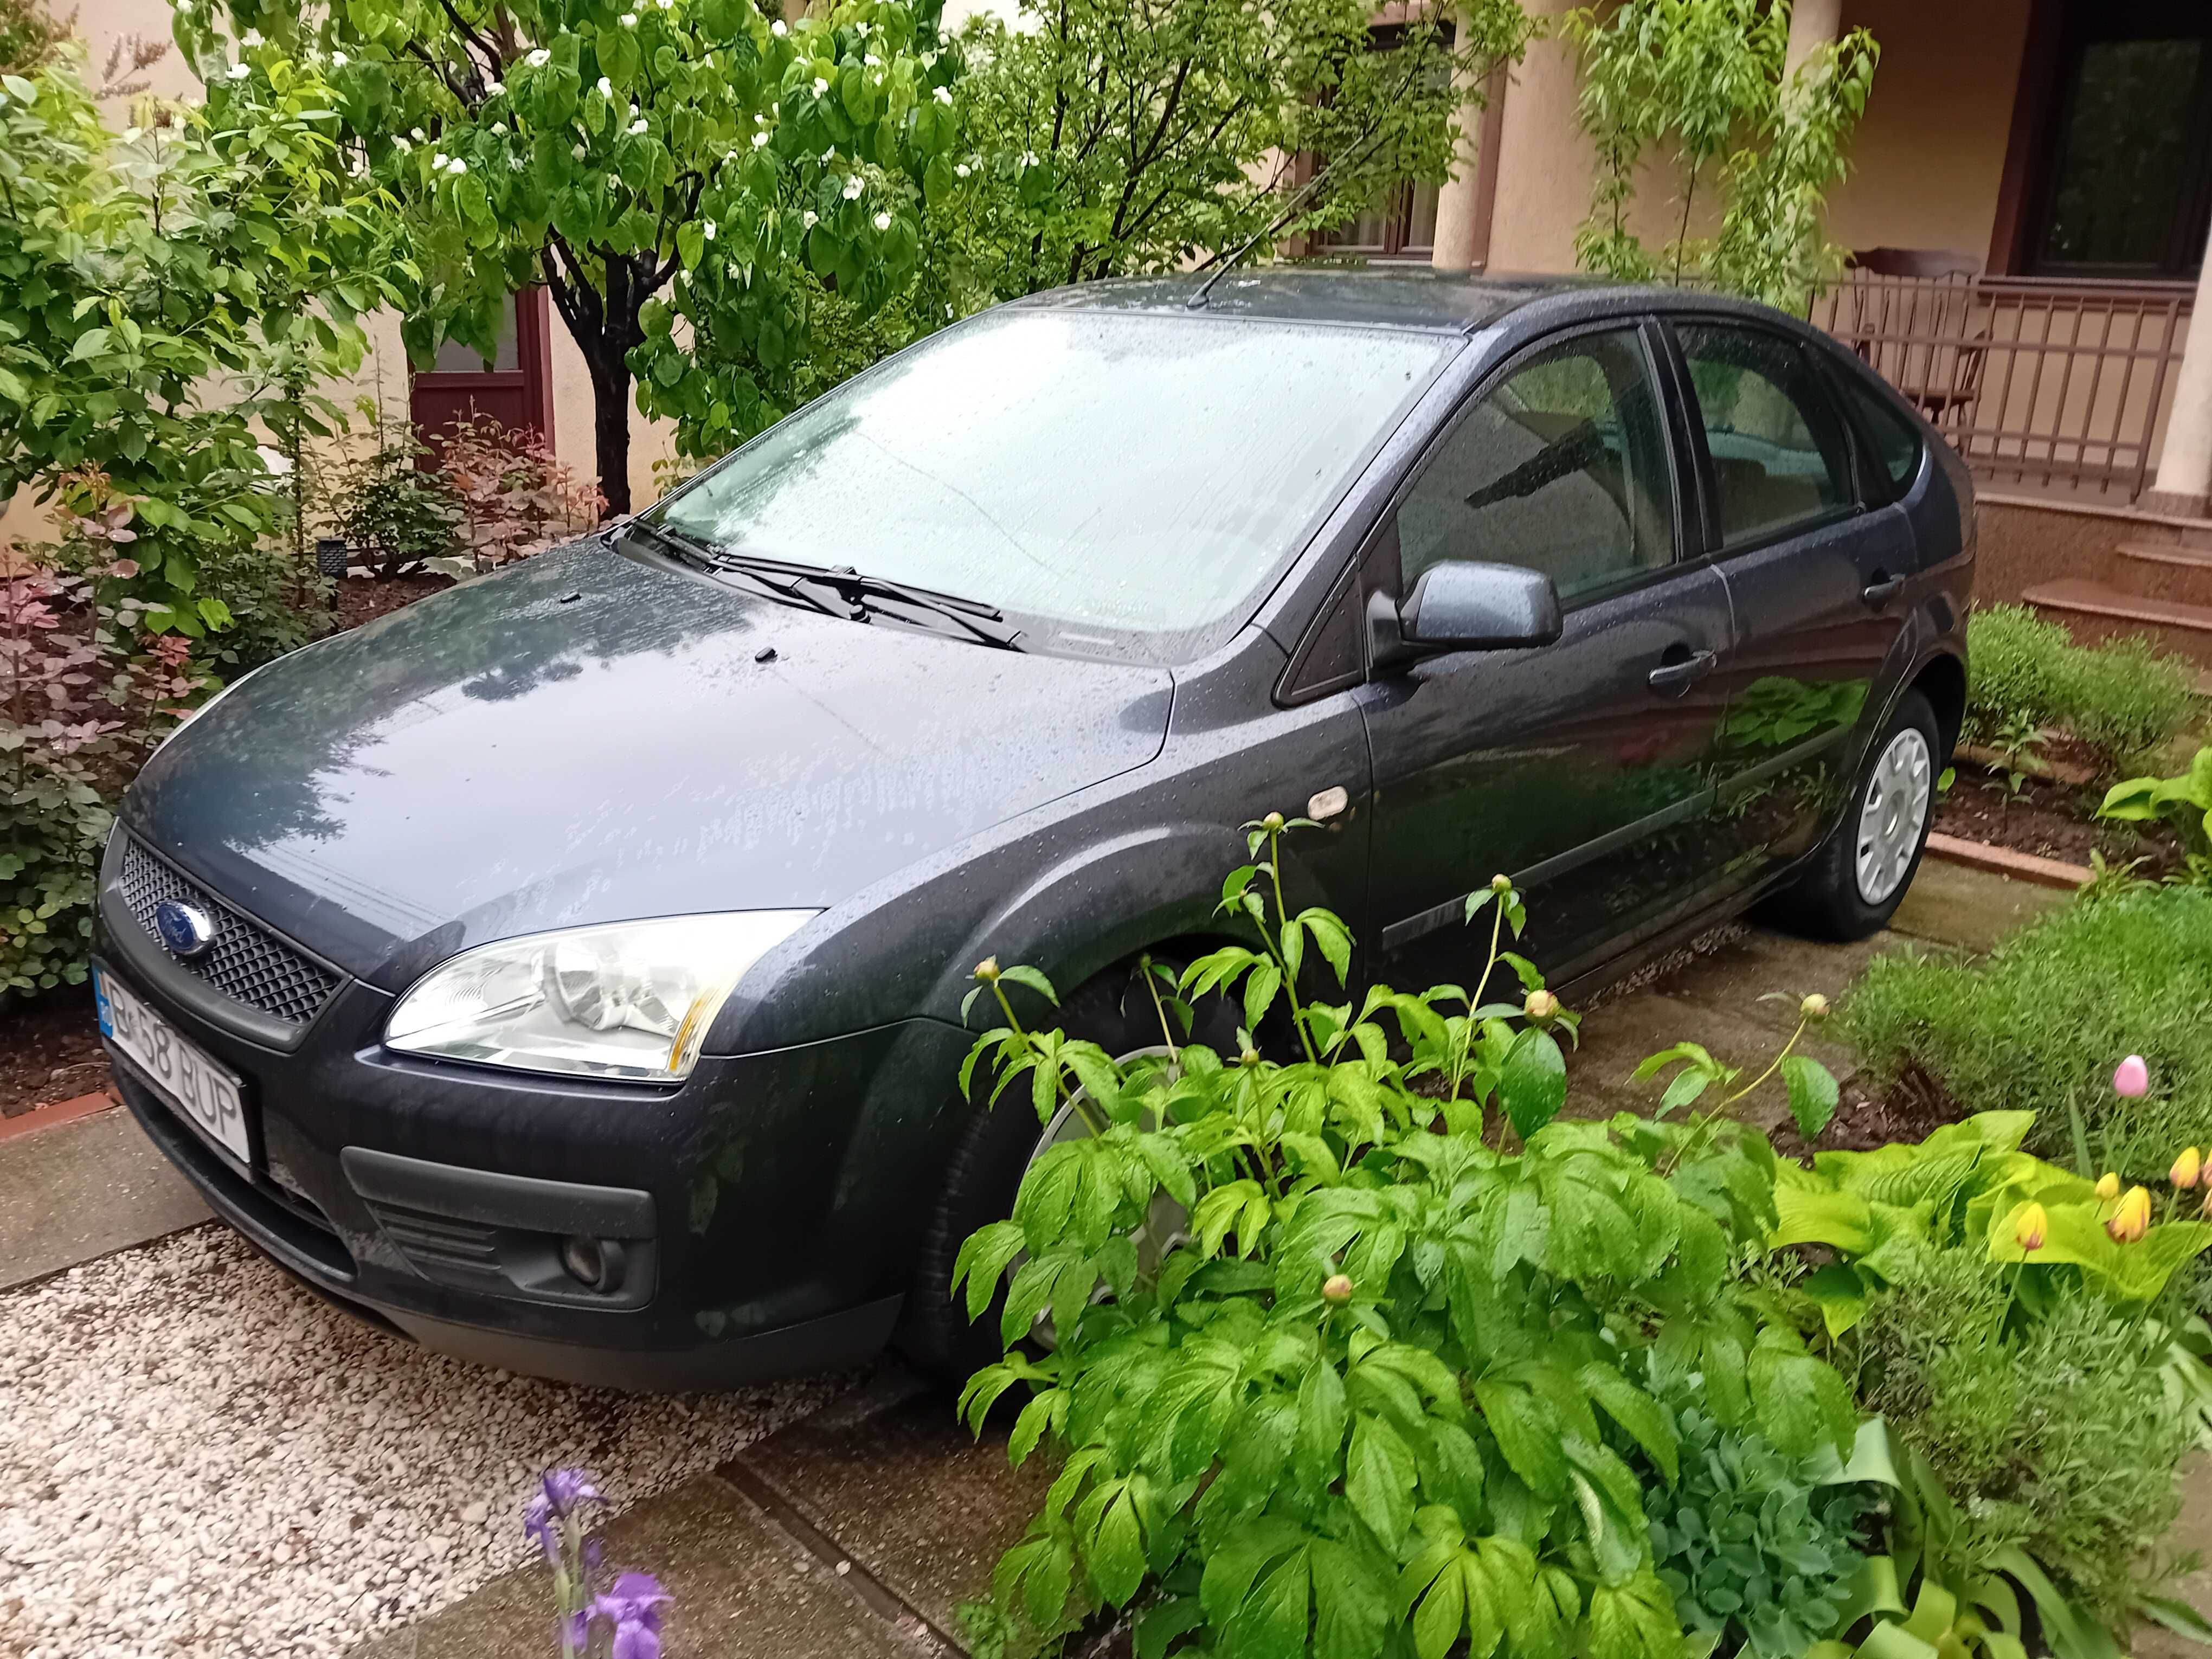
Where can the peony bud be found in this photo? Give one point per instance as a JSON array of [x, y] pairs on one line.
[[2132, 1219], [2108, 1186], [2028, 1232], [2186, 1168], [2132, 1077], [1813, 1008], [1540, 1005], [1501, 883], [1248, 1057], [988, 969], [1272, 822], [1336, 1288]]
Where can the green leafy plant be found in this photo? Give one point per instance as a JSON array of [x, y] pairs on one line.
[[2185, 802], [1706, 83], [2039, 1022], [394, 513], [677, 176], [1342, 1363], [2018, 1329], [2018, 742], [1105, 139], [2122, 700], [1759, 1549]]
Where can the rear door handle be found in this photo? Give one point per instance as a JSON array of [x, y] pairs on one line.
[[1879, 594], [1676, 676]]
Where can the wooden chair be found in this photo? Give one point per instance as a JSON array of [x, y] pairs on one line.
[[1921, 325]]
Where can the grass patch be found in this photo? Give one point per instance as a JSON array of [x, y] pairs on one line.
[[2039, 1023], [2123, 700]]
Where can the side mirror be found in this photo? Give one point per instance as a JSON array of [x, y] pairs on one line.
[[1460, 604]]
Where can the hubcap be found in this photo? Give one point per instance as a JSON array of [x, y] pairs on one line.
[[1161, 1228], [1893, 816]]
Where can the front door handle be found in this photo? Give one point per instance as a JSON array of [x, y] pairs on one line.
[[1879, 591], [1675, 675]]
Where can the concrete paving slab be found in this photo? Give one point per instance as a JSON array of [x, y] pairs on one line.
[[743, 1589], [1617, 1037], [2192, 1532], [1733, 978], [1970, 909], [926, 1509], [80, 1189]]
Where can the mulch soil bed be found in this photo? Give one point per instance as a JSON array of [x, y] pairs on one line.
[[49, 1045], [50, 1051], [2049, 820]]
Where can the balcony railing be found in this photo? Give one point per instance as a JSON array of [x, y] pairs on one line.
[[2062, 386]]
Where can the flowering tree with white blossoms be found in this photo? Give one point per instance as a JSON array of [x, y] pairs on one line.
[[691, 167]]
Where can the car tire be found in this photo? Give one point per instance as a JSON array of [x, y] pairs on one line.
[[935, 1334], [1863, 871]]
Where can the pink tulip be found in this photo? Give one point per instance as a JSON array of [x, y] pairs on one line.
[[2132, 1077]]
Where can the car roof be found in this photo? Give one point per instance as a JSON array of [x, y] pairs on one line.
[[1412, 297]]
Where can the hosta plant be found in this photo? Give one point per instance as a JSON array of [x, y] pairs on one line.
[[1351, 1350]]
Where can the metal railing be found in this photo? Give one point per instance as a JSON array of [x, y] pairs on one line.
[[2049, 384]]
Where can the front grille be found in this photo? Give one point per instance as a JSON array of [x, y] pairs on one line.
[[248, 964]]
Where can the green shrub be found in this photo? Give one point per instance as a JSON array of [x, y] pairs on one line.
[[2039, 1024], [2123, 699], [1387, 1372]]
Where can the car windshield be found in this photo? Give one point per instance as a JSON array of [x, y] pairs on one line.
[[1125, 473]]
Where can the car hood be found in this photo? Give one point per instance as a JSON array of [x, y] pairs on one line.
[[594, 736]]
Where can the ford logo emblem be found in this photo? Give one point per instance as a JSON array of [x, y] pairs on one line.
[[187, 931]]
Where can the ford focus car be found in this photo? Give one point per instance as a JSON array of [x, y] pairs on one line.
[[567, 971]]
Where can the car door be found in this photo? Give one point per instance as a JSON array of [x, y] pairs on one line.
[[1816, 575], [1579, 768]]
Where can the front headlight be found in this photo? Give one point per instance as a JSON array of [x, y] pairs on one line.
[[627, 1000]]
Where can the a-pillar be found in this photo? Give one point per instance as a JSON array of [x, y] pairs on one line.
[[2184, 465]]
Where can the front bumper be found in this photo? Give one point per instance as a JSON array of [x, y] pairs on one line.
[[763, 1211]]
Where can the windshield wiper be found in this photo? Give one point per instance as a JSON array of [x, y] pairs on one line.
[[878, 596], [701, 555]]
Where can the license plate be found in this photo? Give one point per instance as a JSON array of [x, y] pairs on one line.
[[199, 1089]]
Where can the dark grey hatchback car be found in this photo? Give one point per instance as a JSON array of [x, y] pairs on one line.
[[567, 971]]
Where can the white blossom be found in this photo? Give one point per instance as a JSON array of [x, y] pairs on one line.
[[493, 87], [871, 61], [606, 87], [251, 39], [515, 164], [883, 222], [759, 138], [777, 29], [402, 145], [539, 58], [665, 5], [943, 94], [808, 218], [416, 133], [1029, 158], [132, 135], [628, 20], [636, 126], [861, 29], [184, 8], [960, 170], [707, 230], [499, 126], [829, 156], [730, 270], [239, 71], [853, 188], [821, 86], [339, 60], [457, 166], [576, 150], [438, 162]]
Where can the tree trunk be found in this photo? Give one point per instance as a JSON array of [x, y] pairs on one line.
[[610, 431]]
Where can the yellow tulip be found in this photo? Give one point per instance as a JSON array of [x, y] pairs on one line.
[[2186, 1168], [2028, 1231], [2108, 1186], [2132, 1219]]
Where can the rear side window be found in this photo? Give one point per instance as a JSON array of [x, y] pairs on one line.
[[1779, 456], [1896, 440], [1561, 468]]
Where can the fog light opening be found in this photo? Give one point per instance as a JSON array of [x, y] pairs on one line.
[[594, 1263]]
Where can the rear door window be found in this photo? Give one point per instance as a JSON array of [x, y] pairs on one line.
[[1781, 461]]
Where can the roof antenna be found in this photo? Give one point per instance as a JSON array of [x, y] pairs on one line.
[[1221, 267]]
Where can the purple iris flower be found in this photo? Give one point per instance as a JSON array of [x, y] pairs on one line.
[[566, 1489], [634, 1607]]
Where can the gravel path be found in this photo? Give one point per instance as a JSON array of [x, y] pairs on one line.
[[199, 1458]]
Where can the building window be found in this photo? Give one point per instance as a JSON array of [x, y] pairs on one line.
[[1401, 222], [2127, 186]]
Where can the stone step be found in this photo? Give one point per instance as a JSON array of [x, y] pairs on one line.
[[2096, 610], [2154, 570]]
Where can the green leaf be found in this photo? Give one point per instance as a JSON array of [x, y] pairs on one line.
[[1532, 1085], [1637, 1412], [1321, 1420], [1116, 1552], [1813, 1092], [1378, 1480], [1035, 982]]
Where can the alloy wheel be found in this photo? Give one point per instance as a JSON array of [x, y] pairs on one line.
[[1893, 815]]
